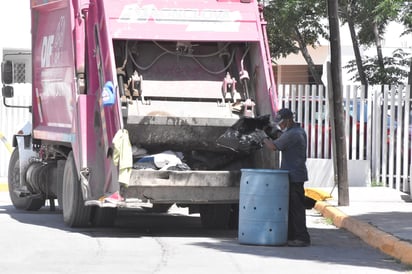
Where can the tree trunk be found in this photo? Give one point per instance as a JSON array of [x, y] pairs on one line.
[[339, 137], [355, 45], [378, 47], [308, 58], [410, 74]]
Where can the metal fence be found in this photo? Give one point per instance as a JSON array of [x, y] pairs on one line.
[[378, 127]]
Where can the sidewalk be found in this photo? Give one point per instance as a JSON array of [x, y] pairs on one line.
[[381, 217]]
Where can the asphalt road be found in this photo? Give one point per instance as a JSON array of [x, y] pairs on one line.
[[39, 242]]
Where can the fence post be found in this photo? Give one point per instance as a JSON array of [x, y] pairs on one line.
[[391, 171], [407, 142], [399, 153]]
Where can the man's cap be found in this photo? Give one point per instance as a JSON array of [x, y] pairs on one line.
[[283, 114]]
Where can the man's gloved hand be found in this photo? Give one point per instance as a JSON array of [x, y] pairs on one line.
[[273, 132]]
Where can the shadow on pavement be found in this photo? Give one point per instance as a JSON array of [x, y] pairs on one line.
[[329, 245], [129, 223]]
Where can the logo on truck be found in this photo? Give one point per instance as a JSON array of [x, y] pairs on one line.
[[52, 45], [195, 19], [46, 50]]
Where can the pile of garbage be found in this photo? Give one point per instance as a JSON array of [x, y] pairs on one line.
[[242, 138]]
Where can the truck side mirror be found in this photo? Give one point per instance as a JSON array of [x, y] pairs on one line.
[[7, 72], [7, 91]]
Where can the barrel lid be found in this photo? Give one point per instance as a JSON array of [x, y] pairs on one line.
[[258, 170]]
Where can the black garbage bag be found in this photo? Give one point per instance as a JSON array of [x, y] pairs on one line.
[[247, 125], [234, 140], [241, 136]]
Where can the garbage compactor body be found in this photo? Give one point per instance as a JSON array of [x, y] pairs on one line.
[[173, 75]]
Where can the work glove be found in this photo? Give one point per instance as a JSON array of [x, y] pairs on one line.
[[273, 132]]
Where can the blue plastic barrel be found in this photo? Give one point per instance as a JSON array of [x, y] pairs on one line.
[[263, 207]]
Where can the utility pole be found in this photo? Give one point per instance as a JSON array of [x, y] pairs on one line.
[[339, 138]]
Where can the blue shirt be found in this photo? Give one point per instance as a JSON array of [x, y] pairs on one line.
[[293, 144]]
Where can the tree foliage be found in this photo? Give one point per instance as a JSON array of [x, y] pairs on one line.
[[398, 10], [293, 25], [394, 73], [285, 18], [402, 12], [370, 18]]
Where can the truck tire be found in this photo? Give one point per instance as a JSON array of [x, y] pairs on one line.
[[103, 217], [215, 216], [27, 202], [59, 194], [59, 184], [75, 213]]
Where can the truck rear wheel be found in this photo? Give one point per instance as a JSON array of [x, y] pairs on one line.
[[26, 202], [75, 213]]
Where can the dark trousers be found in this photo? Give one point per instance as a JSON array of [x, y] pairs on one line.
[[297, 229]]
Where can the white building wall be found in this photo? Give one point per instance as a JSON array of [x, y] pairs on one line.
[[14, 33]]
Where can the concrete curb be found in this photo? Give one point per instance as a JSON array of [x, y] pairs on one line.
[[385, 242]]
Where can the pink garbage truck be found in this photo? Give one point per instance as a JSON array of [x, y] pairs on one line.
[[138, 92]]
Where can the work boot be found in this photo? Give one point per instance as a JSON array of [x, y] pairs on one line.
[[298, 243]]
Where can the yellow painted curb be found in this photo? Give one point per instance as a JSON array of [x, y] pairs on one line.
[[6, 143], [317, 194], [4, 187], [383, 241]]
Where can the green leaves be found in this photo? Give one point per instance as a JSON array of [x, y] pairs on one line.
[[286, 18], [293, 24], [394, 73]]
